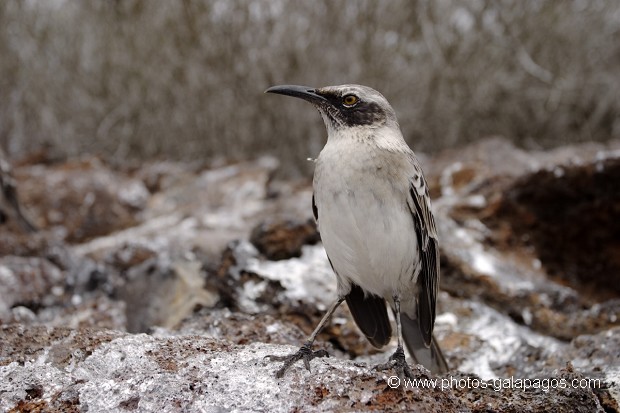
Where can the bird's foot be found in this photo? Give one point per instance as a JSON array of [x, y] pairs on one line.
[[399, 364], [304, 353]]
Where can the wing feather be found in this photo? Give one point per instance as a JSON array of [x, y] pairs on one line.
[[426, 232]]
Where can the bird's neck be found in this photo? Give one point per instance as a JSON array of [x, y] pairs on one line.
[[386, 137]]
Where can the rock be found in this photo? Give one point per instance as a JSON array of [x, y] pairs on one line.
[[107, 371], [159, 293], [32, 282], [486, 230], [192, 209], [218, 197], [82, 199], [570, 215], [238, 328], [598, 354], [283, 239], [10, 209], [215, 308], [37, 290], [535, 394], [163, 175]]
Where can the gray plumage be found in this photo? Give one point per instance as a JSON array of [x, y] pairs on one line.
[[373, 210]]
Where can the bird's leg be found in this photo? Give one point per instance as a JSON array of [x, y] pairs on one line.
[[305, 352], [397, 360]]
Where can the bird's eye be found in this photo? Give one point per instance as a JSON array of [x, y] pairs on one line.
[[350, 100]]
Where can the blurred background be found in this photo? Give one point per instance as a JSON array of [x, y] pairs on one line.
[[184, 80], [161, 191]]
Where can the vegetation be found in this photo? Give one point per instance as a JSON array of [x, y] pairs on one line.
[[184, 79]]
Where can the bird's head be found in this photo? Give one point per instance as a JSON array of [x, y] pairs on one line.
[[344, 106]]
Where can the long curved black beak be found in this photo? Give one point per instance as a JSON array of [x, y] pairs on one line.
[[304, 92]]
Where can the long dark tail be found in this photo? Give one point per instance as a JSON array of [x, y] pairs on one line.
[[430, 357], [370, 314]]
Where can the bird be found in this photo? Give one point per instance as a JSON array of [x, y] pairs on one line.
[[9, 204], [373, 210]]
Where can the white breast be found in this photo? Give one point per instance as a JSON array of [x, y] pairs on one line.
[[364, 219]]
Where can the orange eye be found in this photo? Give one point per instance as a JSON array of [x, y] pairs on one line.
[[350, 100]]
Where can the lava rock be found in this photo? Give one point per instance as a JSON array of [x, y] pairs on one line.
[[283, 239], [82, 199]]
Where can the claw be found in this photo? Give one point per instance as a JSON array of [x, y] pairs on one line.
[[304, 353], [399, 364]]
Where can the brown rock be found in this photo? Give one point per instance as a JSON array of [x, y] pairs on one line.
[[517, 228], [83, 199], [283, 239], [570, 215]]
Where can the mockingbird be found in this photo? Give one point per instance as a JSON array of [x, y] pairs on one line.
[[373, 210]]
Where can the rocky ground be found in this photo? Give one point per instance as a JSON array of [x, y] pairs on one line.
[[163, 287]]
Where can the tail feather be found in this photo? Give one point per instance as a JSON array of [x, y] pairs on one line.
[[370, 314], [430, 357]]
